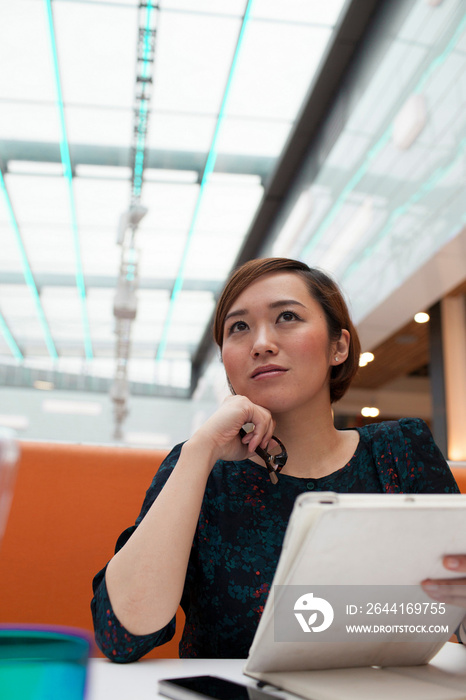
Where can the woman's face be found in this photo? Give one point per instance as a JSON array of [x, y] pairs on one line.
[[276, 348]]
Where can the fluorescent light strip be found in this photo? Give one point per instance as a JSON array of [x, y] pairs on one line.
[[375, 150], [28, 278], [208, 169], [68, 174], [10, 341]]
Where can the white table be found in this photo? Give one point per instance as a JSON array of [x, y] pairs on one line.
[[445, 676]]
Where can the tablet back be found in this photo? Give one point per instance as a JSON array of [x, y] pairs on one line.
[[346, 591]]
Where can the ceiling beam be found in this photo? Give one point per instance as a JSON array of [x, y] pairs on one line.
[[50, 279], [119, 156]]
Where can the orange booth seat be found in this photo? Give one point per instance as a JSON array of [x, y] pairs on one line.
[[71, 502]]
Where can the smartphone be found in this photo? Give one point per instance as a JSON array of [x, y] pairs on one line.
[[211, 687]]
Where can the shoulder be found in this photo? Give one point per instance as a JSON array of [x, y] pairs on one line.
[[396, 428]]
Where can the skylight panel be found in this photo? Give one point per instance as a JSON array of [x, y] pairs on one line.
[[310, 11], [30, 121], [175, 373], [190, 316], [34, 167], [100, 127], [63, 312], [170, 206], [39, 200], [100, 202], [180, 132], [10, 258], [212, 254], [5, 350], [275, 67], [103, 172], [187, 334], [161, 251], [99, 250], [99, 68], [204, 43], [226, 7], [49, 249], [152, 309], [24, 52], [228, 209], [101, 319], [19, 311], [253, 137], [193, 305], [184, 177]]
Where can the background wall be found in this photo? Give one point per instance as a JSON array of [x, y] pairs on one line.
[[151, 422]]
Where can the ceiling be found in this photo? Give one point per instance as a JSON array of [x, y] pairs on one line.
[[333, 132]]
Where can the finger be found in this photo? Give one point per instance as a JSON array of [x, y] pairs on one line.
[[263, 430], [455, 562], [452, 592], [269, 434]]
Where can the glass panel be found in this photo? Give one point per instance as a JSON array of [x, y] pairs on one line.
[[101, 202], [228, 209], [207, 45], [63, 311], [181, 132], [100, 127], [30, 121], [19, 311], [227, 7], [311, 11], [24, 48], [101, 319], [50, 249], [99, 251], [170, 207], [161, 252], [101, 70], [252, 137], [38, 199], [275, 68]]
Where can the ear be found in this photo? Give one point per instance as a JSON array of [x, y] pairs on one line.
[[340, 348]]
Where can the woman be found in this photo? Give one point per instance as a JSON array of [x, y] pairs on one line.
[[211, 537]]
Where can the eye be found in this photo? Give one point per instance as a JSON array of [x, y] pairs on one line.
[[237, 327], [287, 316]]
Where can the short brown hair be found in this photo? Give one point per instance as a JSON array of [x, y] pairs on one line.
[[322, 288]]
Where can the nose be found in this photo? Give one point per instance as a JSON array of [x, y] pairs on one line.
[[264, 343]]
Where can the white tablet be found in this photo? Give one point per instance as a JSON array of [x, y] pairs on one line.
[[347, 588]]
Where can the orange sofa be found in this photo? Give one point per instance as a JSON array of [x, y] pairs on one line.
[[71, 502]]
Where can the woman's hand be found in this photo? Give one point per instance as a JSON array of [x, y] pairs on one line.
[[219, 436], [450, 590]]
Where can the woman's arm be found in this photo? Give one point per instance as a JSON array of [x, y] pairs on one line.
[[145, 579]]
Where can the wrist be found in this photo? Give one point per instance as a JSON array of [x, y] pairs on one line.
[[199, 452]]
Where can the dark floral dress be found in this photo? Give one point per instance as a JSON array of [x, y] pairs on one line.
[[240, 532]]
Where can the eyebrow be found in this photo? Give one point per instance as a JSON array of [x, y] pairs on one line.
[[273, 305]]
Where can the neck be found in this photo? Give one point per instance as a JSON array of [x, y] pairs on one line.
[[315, 447]]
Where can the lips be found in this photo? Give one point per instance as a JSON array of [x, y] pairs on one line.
[[268, 371]]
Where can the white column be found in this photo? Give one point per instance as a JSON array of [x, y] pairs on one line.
[[454, 353]]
